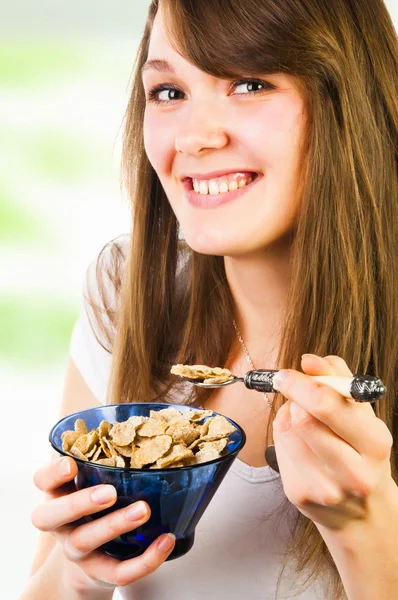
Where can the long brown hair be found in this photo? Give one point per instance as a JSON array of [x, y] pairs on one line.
[[342, 297]]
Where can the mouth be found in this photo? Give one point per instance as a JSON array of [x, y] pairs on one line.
[[230, 182], [210, 193]]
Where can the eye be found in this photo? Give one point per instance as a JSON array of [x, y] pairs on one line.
[[164, 94], [252, 86]]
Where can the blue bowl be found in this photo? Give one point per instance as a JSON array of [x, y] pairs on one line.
[[177, 496]]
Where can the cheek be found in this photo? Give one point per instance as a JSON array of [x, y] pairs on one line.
[[159, 139], [273, 131]]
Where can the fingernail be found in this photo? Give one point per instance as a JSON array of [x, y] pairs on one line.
[[136, 511], [278, 378], [103, 494], [65, 467], [166, 543]]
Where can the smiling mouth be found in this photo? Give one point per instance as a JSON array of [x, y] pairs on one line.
[[221, 185], [210, 197]]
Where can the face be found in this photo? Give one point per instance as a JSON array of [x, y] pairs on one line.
[[227, 153]]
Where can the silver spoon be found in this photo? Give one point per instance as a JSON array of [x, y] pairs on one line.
[[362, 388]]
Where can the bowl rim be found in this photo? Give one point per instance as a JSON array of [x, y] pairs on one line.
[[146, 471]]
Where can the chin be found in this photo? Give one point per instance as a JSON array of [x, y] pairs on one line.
[[214, 246]]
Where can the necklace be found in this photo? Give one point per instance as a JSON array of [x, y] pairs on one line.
[[248, 357]]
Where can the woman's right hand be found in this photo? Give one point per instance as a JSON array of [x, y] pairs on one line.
[[60, 514]]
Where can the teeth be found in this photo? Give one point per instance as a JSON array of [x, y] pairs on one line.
[[203, 189], [213, 187]]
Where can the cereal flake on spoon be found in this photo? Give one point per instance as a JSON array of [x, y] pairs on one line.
[[209, 375]]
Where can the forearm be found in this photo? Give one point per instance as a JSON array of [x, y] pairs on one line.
[[51, 581], [366, 552]]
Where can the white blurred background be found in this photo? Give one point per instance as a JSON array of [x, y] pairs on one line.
[[64, 82], [64, 75]]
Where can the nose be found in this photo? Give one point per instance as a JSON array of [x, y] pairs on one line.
[[199, 134]]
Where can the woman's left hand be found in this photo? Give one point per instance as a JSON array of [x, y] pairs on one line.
[[333, 453]]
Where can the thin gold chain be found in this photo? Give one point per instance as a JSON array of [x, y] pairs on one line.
[[248, 357]]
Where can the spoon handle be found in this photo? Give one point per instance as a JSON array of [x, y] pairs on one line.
[[362, 388]]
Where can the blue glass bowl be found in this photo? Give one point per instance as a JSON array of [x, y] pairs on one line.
[[177, 496]]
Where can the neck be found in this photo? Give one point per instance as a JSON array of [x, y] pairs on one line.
[[258, 284]]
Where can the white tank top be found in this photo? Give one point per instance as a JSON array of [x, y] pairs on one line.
[[240, 538]]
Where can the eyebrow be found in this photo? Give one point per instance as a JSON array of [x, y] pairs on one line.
[[158, 64]]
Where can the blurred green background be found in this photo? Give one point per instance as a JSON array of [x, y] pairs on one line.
[[64, 81]]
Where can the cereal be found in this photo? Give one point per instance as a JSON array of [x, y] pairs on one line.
[[68, 439], [104, 447], [80, 427], [152, 427], [92, 452], [170, 415], [165, 439], [104, 428], [177, 454], [123, 434], [77, 453], [181, 431], [209, 375], [150, 450], [110, 446], [197, 415], [87, 441], [209, 451], [97, 454], [218, 427], [124, 450]]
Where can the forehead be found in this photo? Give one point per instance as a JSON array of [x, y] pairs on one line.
[[160, 49], [159, 42]]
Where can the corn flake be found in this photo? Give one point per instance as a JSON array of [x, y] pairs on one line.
[[178, 453], [165, 439], [152, 427], [150, 450], [122, 434], [209, 375]]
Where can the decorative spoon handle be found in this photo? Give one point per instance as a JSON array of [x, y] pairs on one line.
[[362, 388]]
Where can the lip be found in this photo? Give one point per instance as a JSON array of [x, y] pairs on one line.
[[215, 200], [215, 174]]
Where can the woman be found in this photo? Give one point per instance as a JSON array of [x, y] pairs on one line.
[[265, 134]]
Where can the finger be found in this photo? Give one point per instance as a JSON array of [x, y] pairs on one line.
[[90, 536], [316, 365], [330, 365], [340, 366], [341, 461], [55, 513], [122, 573], [55, 474], [364, 432], [303, 476]]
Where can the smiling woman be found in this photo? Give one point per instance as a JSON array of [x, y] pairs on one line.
[[260, 155], [255, 124]]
